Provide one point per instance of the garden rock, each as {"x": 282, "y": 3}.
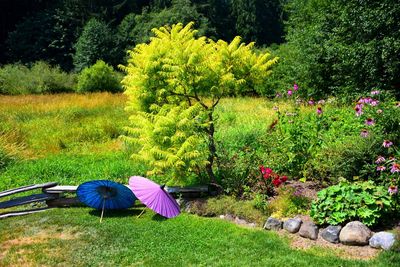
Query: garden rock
{"x": 240, "y": 221}
{"x": 309, "y": 230}
{"x": 355, "y": 233}
{"x": 382, "y": 240}
{"x": 273, "y": 224}
{"x": 292, "y": 225}
{"x": 229, "y": 217}
{"x": 331, "y": 233}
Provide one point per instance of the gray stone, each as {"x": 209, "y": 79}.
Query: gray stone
{"x": 229, "y": 217}
{"x": 273, "y": 224}
{"x": 309, "y": 230}
{"x": 382, "y": 240}
{"x": 292, "y": 225}
{"x": 222, "y": 216}
{"x": 331, "y": 233}
{"x": 240, "y": 221}
{"x": 355, "y": 233}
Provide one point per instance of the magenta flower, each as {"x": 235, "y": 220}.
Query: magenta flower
{"x": 358, "y": 110}
{"x": 392, "y": 190}
{"x": 380, "y": 159}
{"x": 398, "y": 104}
{"x": 387, "y": 143}
{"x": 370, "y": 121}
{"x": 395, "y": 168}
{"x": 375, "y": 92}
{"x": 311, "y": 102}
{"x": 295, "y": 87}
{"x": 374, "y": 103}
{"x": 364, "y": 133}
{"x": 319, "y": 110}
{"x": 289, "y": 92}
{"x": 380, "y": 168}
{"x": 366, "y": 100}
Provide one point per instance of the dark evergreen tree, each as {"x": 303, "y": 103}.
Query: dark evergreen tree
{"x": 96, "y": 42}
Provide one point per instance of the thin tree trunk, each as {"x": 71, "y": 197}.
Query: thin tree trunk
{"x": 211, "y": 148}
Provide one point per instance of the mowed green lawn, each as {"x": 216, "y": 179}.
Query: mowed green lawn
{"x": 74, "y": 237}
{"x": 70, "y": 138}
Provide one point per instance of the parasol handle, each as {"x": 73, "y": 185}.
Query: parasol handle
{"x": 141, "y": 213}
{"x": 102, "y": 210}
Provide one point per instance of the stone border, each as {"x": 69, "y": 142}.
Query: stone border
{"x": 353, "y": 233}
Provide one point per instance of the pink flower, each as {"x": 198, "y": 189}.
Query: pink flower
{"x": 387, "y": 143}
{"x": 374, "y": 103}
{"x": 321, "y": 102}
{"x": 395, "y": 168}
{"x": 370, "y": 121}
{"x": 284, "y": 178}
{"x": 380, "y": 168}
{"x": 364, "y": 133}
{"x": 311, "y": 102}
{"x": 398, "y": 104}
{"x": 278, "y": 95}
{"x": 375, "y": 92}
{"x": 295, "y": 87}
{"x": 380, "y": 159}
{"x": 392, "y": 190}
{"x": 379, "y": 111}
{"x": 319, "y": 110}
{"x": 289, "y": 92}
{"x": 358, "y": 110}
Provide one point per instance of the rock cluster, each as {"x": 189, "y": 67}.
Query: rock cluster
{"x": 353, "y": 233}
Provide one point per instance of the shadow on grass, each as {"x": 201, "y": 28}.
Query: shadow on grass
{"x": 158, "y": 218}
{"x": 116, "y": 213}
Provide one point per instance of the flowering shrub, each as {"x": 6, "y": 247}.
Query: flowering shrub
{"x": 269, "y": 181}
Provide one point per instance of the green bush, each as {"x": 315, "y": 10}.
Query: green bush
{"x": 289, "y": 203}
{"x": 99, "y": 77}
{"x": 39, "y": 78}
{"x": 346, "y": 201}
{"x": 339, "y": 47}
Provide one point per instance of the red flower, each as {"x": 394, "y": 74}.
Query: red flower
{"x": 277, "y": 182}
{"x": 284, "y": 178}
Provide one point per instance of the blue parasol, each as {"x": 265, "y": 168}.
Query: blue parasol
{"x": 105, "y": 195}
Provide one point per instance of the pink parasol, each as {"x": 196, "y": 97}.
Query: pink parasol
{"x": 154, "y": 196}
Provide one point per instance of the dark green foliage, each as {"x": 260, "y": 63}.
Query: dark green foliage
{"x": 343, "y": 47}
{"x": 357, "y": 201}
{"x": 96, "y": 42}
{"x": 258, "y": 20}
{"x": 97, "y": 78}
{"x": 181, "y": 11}
{"x": 48, "y": 35}
{"x": 38, "y": 79}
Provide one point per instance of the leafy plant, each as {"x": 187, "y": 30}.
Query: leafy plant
{"x": 99, "y": 77}
{"x": 346, "y": 201}
{"x": 288, "y": 202}
{"x": 174, "y": 84}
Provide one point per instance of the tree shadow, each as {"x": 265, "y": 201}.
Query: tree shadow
{"x": 157, "y": 217}
{"x": 116, "y": 213}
